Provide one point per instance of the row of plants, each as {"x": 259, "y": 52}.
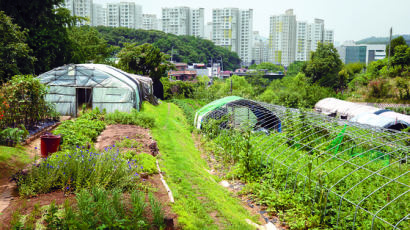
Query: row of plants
{"x": 403, "y": 110}
{"x": 132, "y": 118}
{"x": 96, "y": 208}
{"x": 82, "y": 131}
{"x": 318, "y": 174}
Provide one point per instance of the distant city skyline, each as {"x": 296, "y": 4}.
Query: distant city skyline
{"x": 350, "y": 20}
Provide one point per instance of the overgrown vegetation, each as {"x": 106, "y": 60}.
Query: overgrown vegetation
{"x": 132, "y": 118}
{"x": 301, "y": 172}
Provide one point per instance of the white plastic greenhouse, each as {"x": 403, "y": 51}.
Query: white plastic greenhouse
{"x": 95, "y": 85}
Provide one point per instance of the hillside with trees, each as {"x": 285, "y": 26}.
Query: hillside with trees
{"x": 382, "y": 40}
{"x": 186, "y": 49}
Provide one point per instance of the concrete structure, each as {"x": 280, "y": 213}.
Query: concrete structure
{"x": 81, "y": 8}
{"x": 183, "y": 21}
{"x": 99, "y": 15}
{"x": 208, "y": 31}
{"x": 232, "y": 28}
{"x": 124, "y": 14}
{"x": 302, "y": 52}
{"x": 351, "y": 53}
{"x": 282, "y": 38}
{"x": 175, "y": 20}
{"x": 196, "y": 22}
{"x": 150, "y": 22}
{"x": 260, "y": 48}
{"x": 329, "y": 36}
{"x": 316, "y": 30}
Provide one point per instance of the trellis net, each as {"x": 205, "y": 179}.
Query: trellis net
{"x": 357, "y": 175}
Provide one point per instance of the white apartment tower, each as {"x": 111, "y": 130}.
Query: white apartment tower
{"x": 315, "y": 34}
{"x": 329, "y": 36}
{"x": 149, "y": 22}
{"x": 282, "y": 38}
{"x": 124, "y": 14}
{"x": 259, "y": 48}
{"x": 176, "y": 20}
{"x": 302, "y": 51}
{"x": 113, "y": 15}
{"x": 81, "y": 8}
{"x": 232, "y": 28}
{"x": 197, "y": 19}
{"x": 99, "y": 15}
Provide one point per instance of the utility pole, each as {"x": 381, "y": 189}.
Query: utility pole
{"x": 391, "y": 32}
{"x": 172, "y": 53}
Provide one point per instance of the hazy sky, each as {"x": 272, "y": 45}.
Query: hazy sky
{"x": 350, "y": 19}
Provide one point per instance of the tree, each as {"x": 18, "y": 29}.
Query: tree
{"x": 324, "y": 66}
{"x": 146, "y": 60}
{"x": 88, "y": 45}
{"x": 401, "y": 56}
{"x": 47, "y": 25}
{"x": 295, "y": 68}
{"x": 15, "y": 55}
{"x": 269, "y": 66}
{"x": 394, "y": 43}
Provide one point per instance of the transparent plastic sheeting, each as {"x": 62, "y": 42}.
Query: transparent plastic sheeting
{"x": 113, "y": 89}
{"x": 358, "y": 173}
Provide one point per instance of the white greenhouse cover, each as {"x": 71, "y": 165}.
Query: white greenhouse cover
{"x": 112, "y": 89}
{"x": 345, "y": 108}
{"x": 377, "y": 120}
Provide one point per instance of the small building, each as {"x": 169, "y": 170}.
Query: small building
{"x": 183, "y": 75}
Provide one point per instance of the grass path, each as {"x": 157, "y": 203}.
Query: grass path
{"x": 200, "y": 202}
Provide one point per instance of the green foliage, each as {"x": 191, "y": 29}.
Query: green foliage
{"x": 268, "y": 66}
{"x": 132, "y": 118}
{"x": 22, "y": 101}
{"x": 403, "y": 110}
{"x": 145, "y": 59}
{"x": 15, "y": 55}
{"x": 177, "y": 89}
{"x": 146, "y": 162}
{"x": 295, "y": 68}
{"x": 394, "y": 43}
{"x": 401, "y": 56}
{"x": 46, "y": 24}
{"x": 74, "y": 169}
{"x": 186, "y": 49}
{"x": 88, "y": 45}
{"x": 189, "y": 107}
{"x": 157, "y": 213}
{"x": 12, "y": 136}
{"x": 295, "y": 92}
{"x": 82, "y": 131}
{"x": 293, "y": 170}
{"x": 324, "y": 66}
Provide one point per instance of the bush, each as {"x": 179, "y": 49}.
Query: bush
{"x": 132, "y": 118}
{"x": 82, "y": 131}
{"x": 22, "y": 101}
{"x": 75, "y": 169}
{"x": 378, "y": 88}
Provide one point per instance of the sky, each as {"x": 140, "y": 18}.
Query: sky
{"x": 350, "y": 19}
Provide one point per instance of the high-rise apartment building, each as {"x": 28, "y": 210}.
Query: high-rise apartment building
{"x": 329, "y": 36}
{"x": 315, "y": 33}
{"x": 81, "y": 8}
{"x": 176, "y": 20}
{"x": 232, "y": 29}
{"x": 208, "y": 31}
{"x": 259, "y": 48}
{"x": 113, "y": 15}
{"x": 302, "y": 51}
{"x": 183, "y": 21}
{"x": 282, "y": 38}
{"x": 124, "y": 14}
{"x": 99, "y": 15}
{"x": 196, "y": 21}
{"x": 149, "y": 22}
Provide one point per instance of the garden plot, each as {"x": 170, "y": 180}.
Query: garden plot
{"x": 115, "y": 186}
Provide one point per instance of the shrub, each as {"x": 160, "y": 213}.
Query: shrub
{"x": 132, "y": 118}
{"x": 74, "y": 169}
{"x": 82, "y": 131}
{"x": 378, "y": 88}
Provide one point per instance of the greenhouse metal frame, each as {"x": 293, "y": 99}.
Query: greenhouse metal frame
{"x": 362, "y": 170}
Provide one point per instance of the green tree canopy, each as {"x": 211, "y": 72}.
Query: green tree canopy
{"x": 88, "y": 45}
{"x": 268, "y": 66}
{"x": 324, "y": 66}
{"x": 401, "y": 56}
{"x": 145, "y": 59}
{"x": 15, "y": 55}
{"x": 395, "y": 42}
{"x": 47, "y": 25}
{"x": 295, "y": 68}
{"x": 186, "y": 49}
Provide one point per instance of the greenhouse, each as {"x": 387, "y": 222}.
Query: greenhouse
{"x": 363, "y": 114}
{"x": 91, "y": 85}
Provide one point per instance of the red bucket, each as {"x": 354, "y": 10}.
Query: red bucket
{"x": 49, "y": 144}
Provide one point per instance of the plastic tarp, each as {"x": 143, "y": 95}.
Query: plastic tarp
{"x": 202, "y": 112}
{"x": 396, "y": 116}
{"x": 112, "y": 89}
{"x": 379, "y": 121}
{"x": 345, "y": 108}
{"x": 147, "y": 88}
